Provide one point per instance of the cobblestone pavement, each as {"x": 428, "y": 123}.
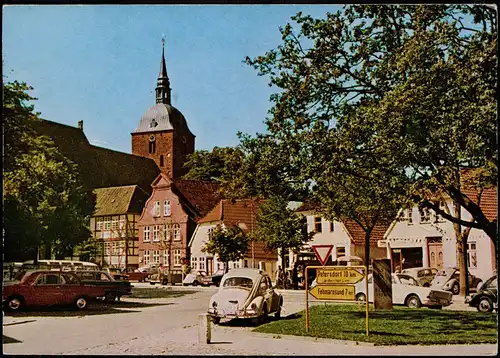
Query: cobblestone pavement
{"x": 170, "y": 328}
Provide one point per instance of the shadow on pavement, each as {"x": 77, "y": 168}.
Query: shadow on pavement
{"x": 94, "y": 308}
{"x": 246, "y": 322}
{"x": 6, "y": 340}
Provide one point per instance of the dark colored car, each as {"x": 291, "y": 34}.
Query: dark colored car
{"x": 486, "y": 298}
{"x": 113, "y": 289}
{"x": 448, "y": 279}
{"x": 217, "y": 277}
{"x": 49, "y": 288}
{"x": 118, "y": 274}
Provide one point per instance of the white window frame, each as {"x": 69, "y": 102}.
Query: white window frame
{"x": 156, "y": 209}
{"x": 177, "y": 232}
{"x": 471, "y": 253}
{"x": 156, "y": 256}
{"x": 107, "y": 248}
{"x": 177, "y": 257}
{"x": 156, "y": 233}
{"x": 99, "y": 223}
{"x": 147, "y": 257}
{"x": 147, "y": 232}
{"x": 202, "y": 263}
{"x": 320, "y": 223}
{"x": 439, "y": 218}
{"x": 425, "y": 216}
{"x": 167, "y": 211}
{"x": 409, "y": 216}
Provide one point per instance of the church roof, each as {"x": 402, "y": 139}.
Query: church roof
{"x": 99, "y": 167}
{"x": 161, "y": 117}
{"x": 201, "y": 195}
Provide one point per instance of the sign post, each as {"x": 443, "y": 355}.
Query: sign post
{"x": 336, "y": 283}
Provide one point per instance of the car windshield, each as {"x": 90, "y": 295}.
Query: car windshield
{"x": 244, "y": 282}
{"x": 443, "y": 273}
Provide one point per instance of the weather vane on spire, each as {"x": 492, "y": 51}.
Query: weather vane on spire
{"x": 163, "y": 40}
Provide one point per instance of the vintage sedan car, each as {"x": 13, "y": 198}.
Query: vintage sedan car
{"x": 448, "y": 279}
{"x": 196, "y": 278}
{"x": 407, "y": 291}
{"x": 486, "y": 298}
{"x": 113, "y": 289}
{"x": 245, "y": 293}
{"x": 424, "y": 275}
{"x": 49, "y": 288}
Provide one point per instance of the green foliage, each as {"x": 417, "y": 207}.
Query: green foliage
{"x": 279, "y": 227}
{"x": 378, "y": 104}
{"x": 400, "y": 326}
{"x": 229, "y": 244}
{"x": 45, "y": 201}
{"x": 215, "y": 165}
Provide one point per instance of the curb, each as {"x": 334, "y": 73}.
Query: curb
{"x": 313, "y": 339}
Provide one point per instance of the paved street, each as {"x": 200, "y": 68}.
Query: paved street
{"x": 169, "y": 326}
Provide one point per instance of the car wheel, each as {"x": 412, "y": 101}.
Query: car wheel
{"x": 264, "y": 316}
{"x": 413, "y": 301}
{"x": 110, "y": 297}
{"x": 14, "y": 303}
{"x": 277, "y": 314}
{"x": 215, "y": 320}
{"x": 151, "y": 282}
{"x": 485, "y": 305}
{"x": 455, "y": 289}
{"x": 361, "y": 297}
{"x": 81, "y": 303}
{"x": 195, "y": 283}
{"x": 427, "y": 284}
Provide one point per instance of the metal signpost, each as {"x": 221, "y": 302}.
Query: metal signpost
{"x": 336, "y": 283}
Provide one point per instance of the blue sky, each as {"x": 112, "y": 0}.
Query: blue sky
{"x": 100, "y": 63}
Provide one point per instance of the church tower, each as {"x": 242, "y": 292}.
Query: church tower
{"x": 163, "y": 134}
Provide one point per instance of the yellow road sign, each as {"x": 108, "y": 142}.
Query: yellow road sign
{"x": 333, "y": 292}
{"x": 338, "y": 275}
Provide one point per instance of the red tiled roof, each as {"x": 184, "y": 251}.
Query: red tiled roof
{"x": 200, "y": 195}
{"x": 307, "y": 205}
{"x": 488, "y": 203}
{"x": 357, "y": 233}
{"x": 242, "y": 213}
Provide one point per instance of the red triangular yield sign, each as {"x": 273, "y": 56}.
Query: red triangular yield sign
{"x": 322, "y": 252}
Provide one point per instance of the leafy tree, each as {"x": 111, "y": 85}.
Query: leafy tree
{"x": 214, "y": 165}
{"x": 280, "y": 228}
{"x": 45, "y": 201}
{"x": 229, "y": 244}
{"x": 386, "y": 102}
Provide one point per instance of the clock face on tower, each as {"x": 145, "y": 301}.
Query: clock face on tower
{"x": 152, "y": 138}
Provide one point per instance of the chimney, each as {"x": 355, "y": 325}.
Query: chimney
{"x": 80, "y": 125}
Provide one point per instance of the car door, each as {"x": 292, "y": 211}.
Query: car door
{"x": 266, "y": 292}
{"x": 398, "y": 291}
{"x": 70, "y": 288}
{"x": 47, "y": 289}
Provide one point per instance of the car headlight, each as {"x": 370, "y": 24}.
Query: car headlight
{"x": 214, "y": 304}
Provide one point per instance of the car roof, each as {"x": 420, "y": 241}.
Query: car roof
{"x": 245, "y": 272}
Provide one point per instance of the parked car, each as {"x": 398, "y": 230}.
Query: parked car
{"x": 196, "y": 278}
{"x": 448, "y": 279}
{"x": 217, "y": 277}
{"x": 407, "y": 291}
{"x": 245, "y": 293}
{"x": 48, "y": 288}
{"x": 113, "y": 289}
{"x": 486, "y": 298}
{"x": 10, "y": 269}
{"x": 137, "y": 275}
{"x": 424, "y": 275}
{"x": 117, "y": 273}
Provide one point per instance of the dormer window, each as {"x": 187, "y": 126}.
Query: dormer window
{"x": 153, "y": 123}
{"x": 425, "y": 216}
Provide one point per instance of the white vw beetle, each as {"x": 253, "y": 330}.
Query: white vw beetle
{"x": 245, "y": 293}
{"x": 407, "y": 291}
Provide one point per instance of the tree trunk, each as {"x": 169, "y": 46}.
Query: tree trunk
{"x": 35, "y": 256}
{"x": 226, "y": 267}
{"x": 283, "y": 268}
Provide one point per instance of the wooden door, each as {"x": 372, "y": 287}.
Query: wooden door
{"x": 435, "y": 249}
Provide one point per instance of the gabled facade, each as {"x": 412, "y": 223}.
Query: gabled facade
{"x": 169, "y": 219}
{"x": 347, "y": 237}
{"x": 114, "y": 226}
{"x": 227, "y": 213}
{"x": 423, "y": 238}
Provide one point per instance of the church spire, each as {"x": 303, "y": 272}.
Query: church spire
{"x": 163, "y": 89}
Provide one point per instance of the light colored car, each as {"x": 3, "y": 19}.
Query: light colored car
{"x": 196, "y": 278}
{"x": 245, "y": 293}
{"x": 407, "y": 291}
{"x": 448, "y": 279}
{"x": 424, "y": 275}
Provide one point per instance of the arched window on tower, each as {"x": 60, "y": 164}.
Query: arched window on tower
{"x": 161, "y": 160}
{"x": 152, "y": 147}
